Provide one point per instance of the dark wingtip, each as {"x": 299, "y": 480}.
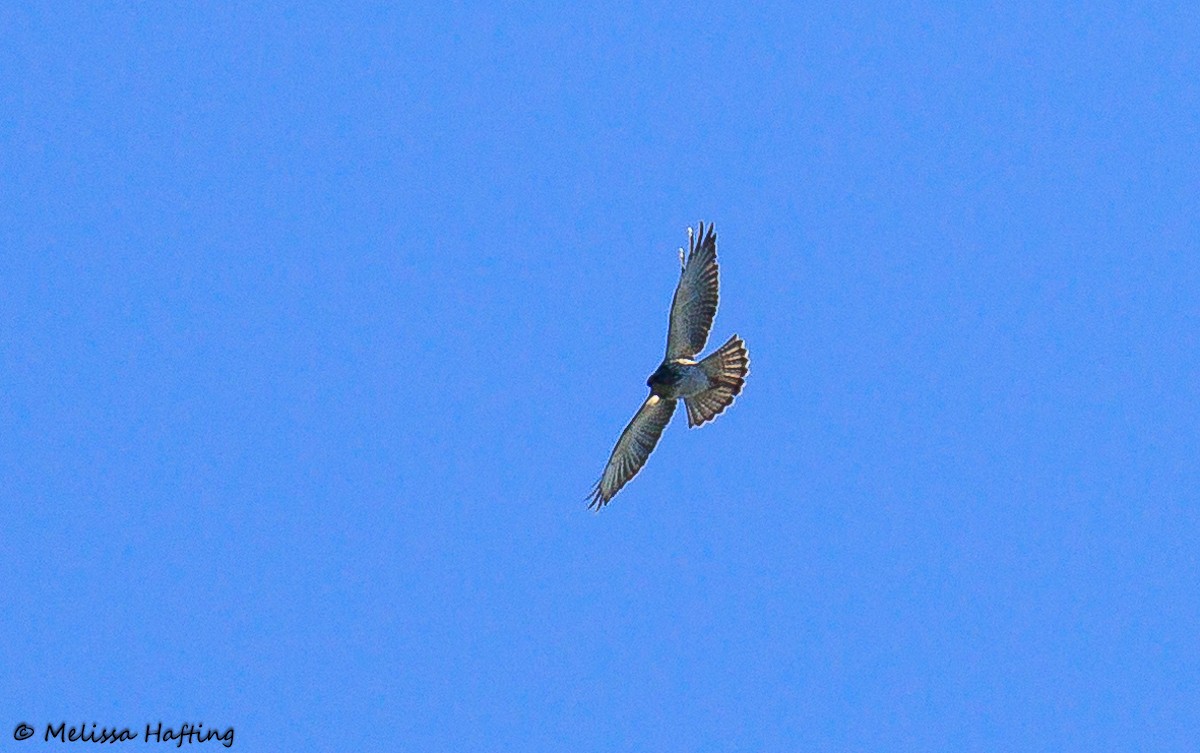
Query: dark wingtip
{"x": 595, "y": 499}
{"x": 702, "y": 238}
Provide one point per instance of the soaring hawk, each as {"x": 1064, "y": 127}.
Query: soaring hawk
{"x": 706, "y": 387}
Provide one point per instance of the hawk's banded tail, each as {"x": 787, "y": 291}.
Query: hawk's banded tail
{"x": 726, "y": 370}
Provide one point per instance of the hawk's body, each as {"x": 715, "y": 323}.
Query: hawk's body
{"x": 678, "y": 378}
{"x": 707, "y": 387}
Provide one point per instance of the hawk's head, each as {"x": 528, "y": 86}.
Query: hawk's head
{"x": 664, "y": 376}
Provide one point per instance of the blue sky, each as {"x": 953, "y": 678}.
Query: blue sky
{"x": 318, "y": 322}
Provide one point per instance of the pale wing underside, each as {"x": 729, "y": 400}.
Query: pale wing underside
{"x": 695, "y": 301}
{"x": 635, "y": 445}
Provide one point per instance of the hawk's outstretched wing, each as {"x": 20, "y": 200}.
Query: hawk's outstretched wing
{"x": 634, "y": 446}
{"x": 695, "y": 301}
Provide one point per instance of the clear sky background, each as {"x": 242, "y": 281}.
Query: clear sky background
{"x": 318, "y": 321}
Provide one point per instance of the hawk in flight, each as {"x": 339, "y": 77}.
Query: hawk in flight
{"x": 707, "y": 387}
